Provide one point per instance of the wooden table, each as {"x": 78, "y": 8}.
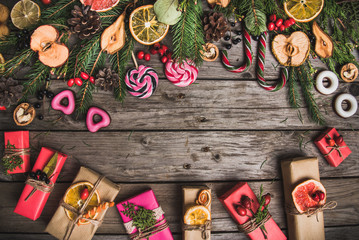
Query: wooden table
{"x": 222, "y": 129}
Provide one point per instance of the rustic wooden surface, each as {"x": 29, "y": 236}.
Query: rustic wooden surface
{"x": 220, "y": 130}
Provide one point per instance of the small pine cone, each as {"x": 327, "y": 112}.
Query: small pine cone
{"x": 85, "y": 23}
{"x": 107, "y": 79}
{"x": 215, "y": 26}
{"x": 10, "y": 91}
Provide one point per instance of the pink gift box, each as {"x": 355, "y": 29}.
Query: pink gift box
{"x": 231, "y": 199}
{"x": 147, "y": 200}
{"x": 33, "y": 207}
{"x": 21, "y": 140}
{"x": 334, "y": 158}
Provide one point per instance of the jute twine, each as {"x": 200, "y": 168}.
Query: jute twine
{"x": 312, "y": 211}
{"x": 40, "y": 185}
{"x": 252, "y": 224}
{"x": 12, "y": 152}
{"x": 202, "y": 227}
{"x": 335, "y": 147}
{"x": 79, "y": 212}
{"x": 150, "y": 231}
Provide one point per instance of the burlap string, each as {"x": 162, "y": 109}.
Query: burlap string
{"x": 335, "y": 147}
{"x": 12, "y": 152}
{"x": 202, "y": 227}
{"x": 150, "y": 231}
{"x": 79, "y": 212}
{"x": 38, "y": 185}
{"x": 252, "y": 225}
{"x": 312, "y": 211}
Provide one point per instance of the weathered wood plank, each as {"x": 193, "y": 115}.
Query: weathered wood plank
{"x": 344, "y": 191}
{"x": 207, "y": 105}
{"x": 161, "y": 156}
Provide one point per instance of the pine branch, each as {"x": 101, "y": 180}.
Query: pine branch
{"x": 59, "y": 9}
{"x": 255, "y": 19}
{"x": 12, "y": 64}
{"x": 293, "y": 89}
{"x": 37, "y": 77}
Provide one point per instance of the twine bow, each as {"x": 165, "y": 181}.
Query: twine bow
{"x": 150, "y": 231}
{"x": 79, "y": 212}
{"x": 40, "y": 185}
{"x": 314, "y": 210}
{"x": 335, "y": 147}
{"x": 12, "y": 152}
{"x": 202, "y": 227}
{"x": 252, "y": 224}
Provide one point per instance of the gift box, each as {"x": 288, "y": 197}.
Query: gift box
{"x": 159, "y": 231}
{"x": 190, "y": 196}
{"x": 18, "y": 143}
{"x": 231, "y": 199}
{"x": 296, "y": 171}
{"x": 62, "y": 227}
{"x": 31, "y": 206}
{"x": 333, "y": 154}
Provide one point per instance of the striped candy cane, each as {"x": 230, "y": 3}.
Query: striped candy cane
{"x": 248, "y": 57}
{"x": 260, "y": 68}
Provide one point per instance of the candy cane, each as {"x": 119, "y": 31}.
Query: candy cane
{"x": 260, "y": 69}
{"x": 248, "y": 57}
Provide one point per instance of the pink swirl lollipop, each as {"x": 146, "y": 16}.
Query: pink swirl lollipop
{"x": 141, "y": 82}
{"x": 181, "y": 75}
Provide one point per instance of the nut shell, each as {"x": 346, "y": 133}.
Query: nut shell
{"x": 349, "y": 72}
{"x": 28, "y": 110}
{"x": 206, "y": 49}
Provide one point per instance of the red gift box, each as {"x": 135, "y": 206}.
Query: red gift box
{"x": 33, "y": 207}
{"x": 335, "y": 154}
{"x": 20, "y": 140}
{"x": 231, "y": 199}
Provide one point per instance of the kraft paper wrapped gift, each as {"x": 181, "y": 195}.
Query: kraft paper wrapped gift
{"x": 19, "y": 139}
{"x": 296, "y": 171}
{"x": 60, "y": 225}
{"x": 190, "y": 195}
{"x": 148, "y": 201}
{"x": 231, "y": 199}
{"x": 32, "y": 208}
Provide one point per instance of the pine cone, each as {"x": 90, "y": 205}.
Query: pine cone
{"x": 85, "y": 23}
{"x": 215, "y": 26}
{"x": 10, "y": 91}
{"x": 107, "y": 79}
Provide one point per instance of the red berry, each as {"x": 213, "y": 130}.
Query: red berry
{"x": 246, "y": 202}
{"x": 147, "y": 57}
{"x": 279, "y": 22}
{"x": 281, "y": 28}
{"x": 70, "y": 82}
{"x": 140, "y": 55}
{"x": 339, "y": 139}
{"x": 157, "y": 46}
{"x": 315, "y": 197}
{"x": 164, "y": 59}
{"x": 241, "y": 211}
{"x": 292, "y": 21}
{"x": 321, "y": 195}
{"x": 161, "y": 51}
{"x": 165, "y": 48}
{"x": 270, "y": 26}
{"x": 331, "y": 142}
{"x": 84, "y": 194}
{"x": 78, "y": 81}
{"x": 169, "y": 55}
{"x": 153, "y": 51}
{"x": 84, "y": 76}
{"x": 92, "y": 80}
{"x": 267, "y": 199}
{"x": 272, "y": 18}
{"x": 46, "y": 2}
{"x": 276, "y": 28}
{"x": 287, "y": 23}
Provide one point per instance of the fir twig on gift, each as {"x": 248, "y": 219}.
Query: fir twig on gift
{"x": 10, "y": 163}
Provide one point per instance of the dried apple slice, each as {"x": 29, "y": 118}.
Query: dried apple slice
{"x": 44, "y": 41}
{"x": 291, "y": 50}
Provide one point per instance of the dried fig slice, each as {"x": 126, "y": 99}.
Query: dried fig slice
{"x": 44, "y": 41}
{"x": 291, "y": 50}
{"x": 323, "y": 43}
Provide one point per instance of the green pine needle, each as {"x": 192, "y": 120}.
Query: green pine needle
{"x": 142, "y": 218}
{"x": 293, "y": 94}
{"x": 11, "y": 163}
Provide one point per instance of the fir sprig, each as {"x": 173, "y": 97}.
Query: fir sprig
{"x": 12, "y": 64}
{"x": 37, "y": 77}
{"x": 10, "y": 163}
{"x": 293, "y": 94}
{"x": 61, "y": 8}
{"x": 142, "y": 218}
{"x": 255, "y": 20}
{"x": 262, "y": 211}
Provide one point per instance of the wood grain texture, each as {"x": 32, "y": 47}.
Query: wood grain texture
{"x": 169, "y": 196}
{"x": 162, "y": 156}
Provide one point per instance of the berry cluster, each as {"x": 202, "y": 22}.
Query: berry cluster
{"x": 79, "y": 81}
{"x": 235, "y": 40}
{"x": 246, "y": 204}
{"x": 23, "y": 39}
{"x": 279, "y": 24}
{"x": 338, "y": 140}
{"x": 42, "y": 93}
{"x": 318, "y": 196}
{"x": 40, "y": 175}
{"x": 163, "y": 51}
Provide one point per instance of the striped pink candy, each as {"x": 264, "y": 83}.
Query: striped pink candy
{"x": 181, "y": 75}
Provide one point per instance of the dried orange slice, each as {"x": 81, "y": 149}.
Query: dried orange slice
{"x": 73, "y": 198}
{"x": 303, "y": 10}
{"x": 25, "y": 13}
{"x": 303, "y": 195}
{"x": 144, "y": 26}
{"x": 197, "y": 215}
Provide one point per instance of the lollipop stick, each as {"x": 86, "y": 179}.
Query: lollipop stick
{"x": 134, "y": 60}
